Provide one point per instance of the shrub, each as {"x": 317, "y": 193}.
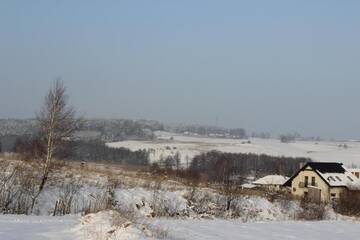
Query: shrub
{"x": 311, "y": 211}
{"x": 348, "y": 204}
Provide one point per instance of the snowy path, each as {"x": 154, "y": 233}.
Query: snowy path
{"x": 222, "y": 229}
{"x": 14, "y": 227}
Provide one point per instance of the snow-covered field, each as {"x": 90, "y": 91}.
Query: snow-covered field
{"x": 98, "y": 227}
{"x": 20, "y": 227}
{"x": 189, "y": 146}
{"x": 225, "y": 229}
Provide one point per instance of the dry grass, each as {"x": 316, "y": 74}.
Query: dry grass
{"x": 9, "y": 156}
{"x": 119, "y": 176}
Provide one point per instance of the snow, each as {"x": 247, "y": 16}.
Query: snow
{"x": 248, "y": 185}
{"x": 271, "y": 180}
{"x": 205, "y": 204}
{"x": 190, "y": 146}
{"x": 225, "y": 229}
{"x": 101, "y": 226}
{"x": 86, "y": 195}
{"x": 18, "y": 227}
{"x": 97, "y": 226}
{"x": 139, "y": 200}
{"x": 354, "y": 169}
{"x": 346, "y": 179}
{"x": 252, "y": 212}
{"x": 91, "y": 227}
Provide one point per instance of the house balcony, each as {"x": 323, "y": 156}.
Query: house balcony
{"x": 303, "y": 185}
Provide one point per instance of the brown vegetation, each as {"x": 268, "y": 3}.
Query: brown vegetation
{"x": 348, "y": 204}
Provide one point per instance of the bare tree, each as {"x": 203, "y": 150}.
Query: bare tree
{"x": 57, "y": 123}
{"x": 177, "y": 158}
{"x": 231, "y": 181}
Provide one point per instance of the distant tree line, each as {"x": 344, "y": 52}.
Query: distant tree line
{"x": 292, "y": 137}
{"x": 108, "y": 130}
{"x": 18, "y": 126}
{"x": 94, "y": 151}
{"x": 204, "y": 130}
{"x": 217, "y": 165}
{"x": 8, "y": 142}
{"x": 263, "y": 135}
{"x": 287, "y": 138}
{"x": 98, "y": 151}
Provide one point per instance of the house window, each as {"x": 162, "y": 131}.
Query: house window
{"x": 294, "y": 189}
{"x": 331, "y": 179}
{"x": 333, "y": 195}
{"x": 350, "y": 178}
{"x": 306, "y": 181}
{"x": 312, "y": 181}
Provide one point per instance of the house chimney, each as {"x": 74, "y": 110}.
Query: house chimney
{"x": 301, "y": 164}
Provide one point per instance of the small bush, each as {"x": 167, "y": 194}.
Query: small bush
{"x": 311, "y": 211}
{"x": 100, "y": 201}
{"x": 67, "y": 196}
{"x": 18, "y": 184}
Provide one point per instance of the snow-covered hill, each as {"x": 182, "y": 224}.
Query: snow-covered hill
{"x": 145, "y": 207}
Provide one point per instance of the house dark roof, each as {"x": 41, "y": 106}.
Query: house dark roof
{"x": 333, "y": 174}
{"x": 327, "y": 167}
{"x": 322, "y": 167}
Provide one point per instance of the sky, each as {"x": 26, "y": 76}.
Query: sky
{"x": 274, "y": 66}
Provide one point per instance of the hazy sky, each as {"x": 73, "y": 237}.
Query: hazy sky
{"x": 277, "y": 66}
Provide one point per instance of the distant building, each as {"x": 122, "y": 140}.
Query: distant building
{"x": 322, "y": 181}
{"x": 355, "y": 172}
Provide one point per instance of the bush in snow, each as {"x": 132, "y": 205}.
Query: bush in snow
{"x": 99, "y": 201}
{"x": 18, "y": 185}
{"x": 68, "y": 193}
{"x": 348, "y": 204}
{"x": 311, "y": 211}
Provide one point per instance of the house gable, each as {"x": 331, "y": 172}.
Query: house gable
{"x": 318, "y": 168}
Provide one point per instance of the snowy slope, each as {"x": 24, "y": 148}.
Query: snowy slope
{"x": 225, "y": 229}
{"x": 20, "y": 227}
{"x": 189, "y": 146}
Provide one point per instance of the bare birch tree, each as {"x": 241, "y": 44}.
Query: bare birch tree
{"x": 57, "y": 123}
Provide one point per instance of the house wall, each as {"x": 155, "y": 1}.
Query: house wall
{"x": 298, "y": 185}
{"x": 270, "y": 187}
{"x": 337, "y": 191}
